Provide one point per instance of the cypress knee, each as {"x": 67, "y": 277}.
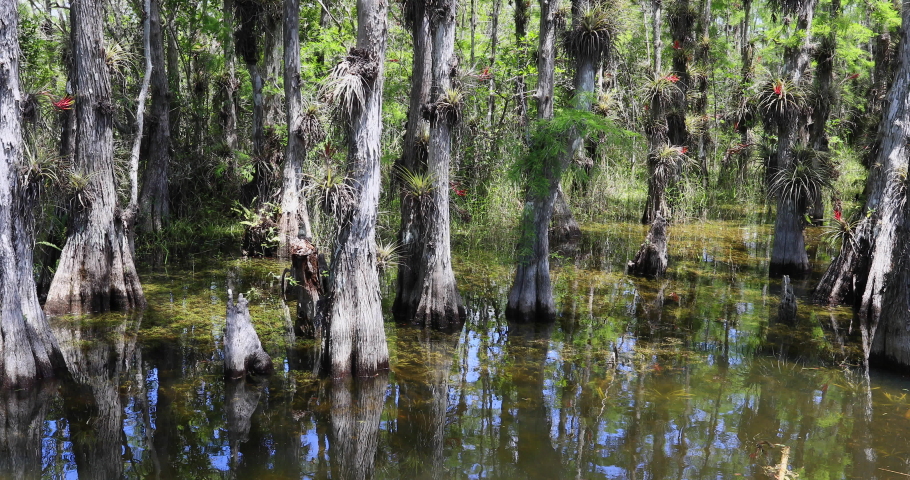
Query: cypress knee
{"x": 243, "y": 353}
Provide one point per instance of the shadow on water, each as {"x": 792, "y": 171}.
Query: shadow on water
{"x": 689, "y": 376}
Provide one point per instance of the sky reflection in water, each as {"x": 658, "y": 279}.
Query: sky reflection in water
{"x": 706, "y": 383}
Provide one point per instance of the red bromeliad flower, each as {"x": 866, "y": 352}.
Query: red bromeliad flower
{"x": 838, "y": 215}
{"x": 461, "y": 193}
{"x": 671, "y": 78}
{"x": 65, "y": 103}
{"x": 853, "y": 77}
{"x": 676, "y": 45}
{"x": 778, "y": 88}
{"x": 684, "y": 150}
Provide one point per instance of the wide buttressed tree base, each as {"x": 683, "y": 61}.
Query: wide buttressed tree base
{"x": 356, "y": 341}
{"x": 27, "y": 349}
{"x": 96, "y": 272}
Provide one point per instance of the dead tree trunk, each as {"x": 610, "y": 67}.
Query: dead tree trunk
{"x": 871, "y": 267}
{"x": 433, "y": 299}
{"x": 307, "y": 272}
{"x": 243, "y": 353}
{"x": 96, "y": 271}
{"x": 652, "y": 259}
{"x": 294, "y": 213}
{"x": 27, "y": 348}
{"x": 531, "y": 295}
{"x": 154, "y": 205}
{"x": 356, "y": 339}
{"x": 414, "y": 155}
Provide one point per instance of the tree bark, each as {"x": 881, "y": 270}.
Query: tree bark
{"x": 229, "y": 108}
{"x": 243, "y": 353}
{"x": 531, "y": 295}
{"x": 28, "y": 351}
{"x": 433, "y": 299}
{"x": 871, "y": 267}
{"x": 652, "y": 259}
{"x": 96, "y": 271}
{"x": 788, "y": 254}
{"x": 356, "y": 339}
{"x": 307, "y": 271}
{"x": 294, "y": 213}
{"x": 656, "y": 21}
{"x": 356, "y": 412}
{"x": 154, "y": 204}
{"x": 415, "y": 152}
{"x": 824, "y": 98}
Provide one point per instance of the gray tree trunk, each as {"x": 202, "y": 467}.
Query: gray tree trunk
{"x": 356, "y": 414}
{"x": 414, "y": 155}
{"x": 434, "y": 300}
{"x": 531, "y": 295}
{"x": 656, "y": 20}
{"x": 229, "y": 109}
{"x": 788, "y": 254}
{"x": 356, "y": 340}
{"x": 96, "y": 271}
{"x": 307, "y": 271}
{"x": 243, "y": 353}
{"x": 27, "y": 349}
{"x": 872, "y": 268}
{"x": 824, "y": 98}
{"x": 154, "y": 204}
{"x": 652, "y": 259}
{"x": 294, "y": 213}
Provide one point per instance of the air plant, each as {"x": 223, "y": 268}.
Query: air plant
{"x": 697, "y": 125}
{"x": 661, "y": 92}
{"x": 416, "y": 185}
{"x": 780, "y": 101}
{"x": 310, "y": 129}
{"x": 117, "y": 58}
{"x": 348, "y": 83}
{"x": 593, "y": 36}
{"x": 449, "y": 105}
{"x": 606, "y": 104}
{"x": 333, "y": 192}
{"x": 388, "y": 256}
{"x": 667, "y": 161}
{"x": 805, "y": 176}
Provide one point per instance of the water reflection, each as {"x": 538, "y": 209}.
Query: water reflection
{"x": 685, "y": 377}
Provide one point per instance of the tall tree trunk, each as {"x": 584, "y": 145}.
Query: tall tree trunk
{"x": 824, "y": 98}
{"x": 27, "y": 349}
{"x": 531, "y": 295}
{"x": 521, "y": 31}
{"x": 656, "y": 20}
{"x": 491, "y": 61}
{"x": 294, "y": 213}
{"x": 413, "y": 159}
{"x": 788, "y": 254}
{"x": 872, "y": 266}
{"x": 229, "y": 109}
{"x": 356, "y": 339}
{"x": 154, "y": 203}
{"x": 434, "y": 300}
{"x": 96, "y": 271}
{"x": 355, "y": 419}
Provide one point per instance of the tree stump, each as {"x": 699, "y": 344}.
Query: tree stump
{"x": 786, "y": 311}
{"x": 243, "y": 353}
{"x": 651, "y": 259}
{"x": 307, "y": 272}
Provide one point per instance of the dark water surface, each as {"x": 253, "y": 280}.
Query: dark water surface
{"x": 705, "y": 383}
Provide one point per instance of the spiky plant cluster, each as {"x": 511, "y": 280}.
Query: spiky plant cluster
{"x": 697, "y": 125}
{"x": 310, "y": 129}
{"x": 334, "y": 194}
{"x": 560, "y": 19}
{"x": 117, "y": 58}
{"x": 449, "y": 105}
{"x": 808, "y": 173}
{"x": 656, "y": 126}
{"x": 780, "y": 101}
{"x": 348, "y": 83}
{"x": 667, "y": 162}
{"x": 661, "y": 92}
{"x": 388, "y": 256}
{"x": 606, "y": 104}
{"x": 417, "y": 185}
{"x": 592, "y": 38}
{"x": 681, "y": 16}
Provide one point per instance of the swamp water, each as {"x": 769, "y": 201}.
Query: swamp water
{"x": 690, "y": 377}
